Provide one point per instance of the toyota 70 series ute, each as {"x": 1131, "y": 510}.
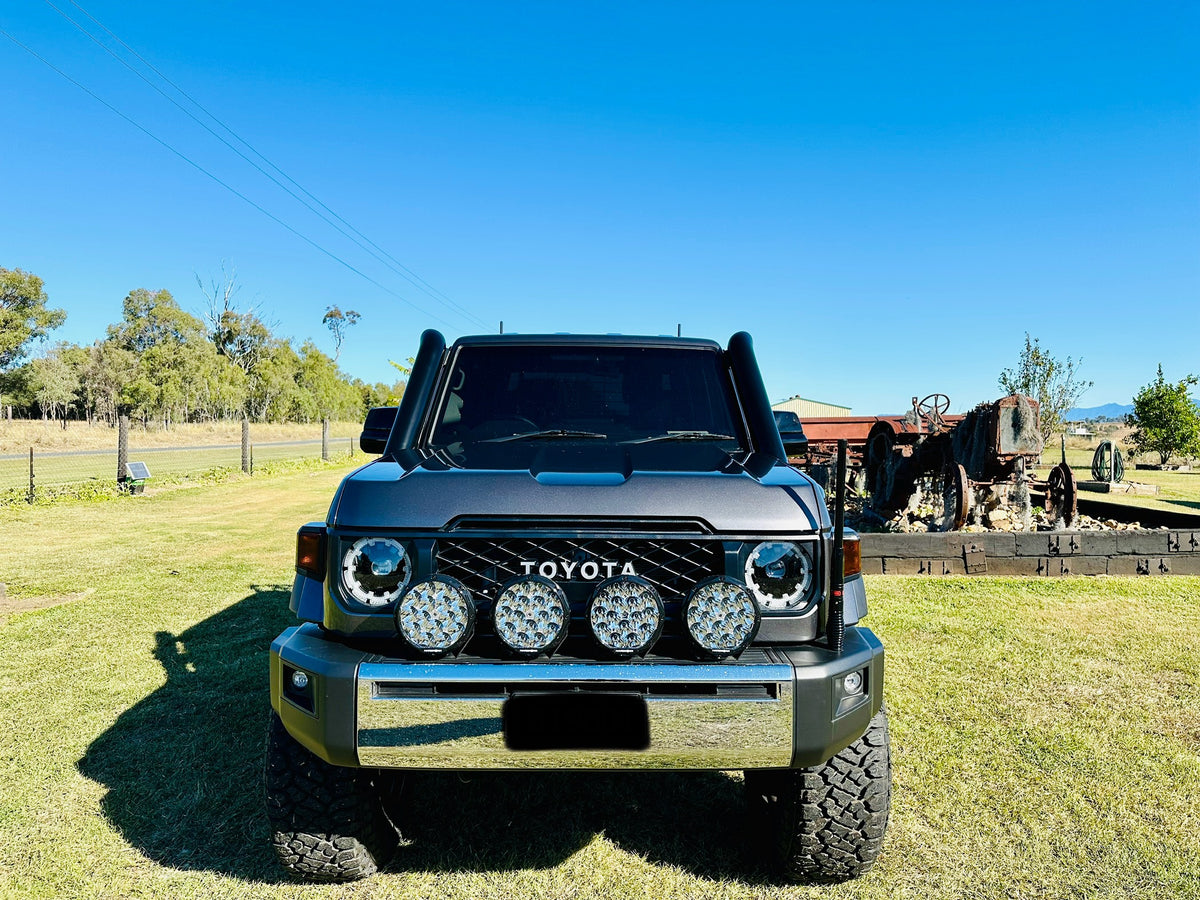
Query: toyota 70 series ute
{"x": 578, "y": 552}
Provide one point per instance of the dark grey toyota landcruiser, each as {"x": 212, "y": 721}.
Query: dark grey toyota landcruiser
{"x": 578, "y": 552}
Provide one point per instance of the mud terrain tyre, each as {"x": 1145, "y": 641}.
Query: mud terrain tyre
{"x": 825, "y": 824}
{"x": 327, "y": 821}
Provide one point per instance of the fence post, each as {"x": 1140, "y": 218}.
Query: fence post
{"x": 30, "y": 474}
{"x": 122, "y": 446}
{"x": 351, "y": 448}
{"x": 246, "y": 445}
{"x": 325, "y": 439}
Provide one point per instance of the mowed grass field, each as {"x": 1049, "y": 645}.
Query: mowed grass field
{"x": 1046, "y": 734}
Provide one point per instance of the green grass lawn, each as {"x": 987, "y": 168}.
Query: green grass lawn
{"x": 1177, "y": 491}
{"x": 1046, "y": 734}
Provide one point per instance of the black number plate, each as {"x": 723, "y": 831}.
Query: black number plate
{"x": 576, "y": 721}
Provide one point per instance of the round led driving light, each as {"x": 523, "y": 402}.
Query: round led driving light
{"x": 626, "y": 615}
{"x": 531, "y": 615}
{"x": 436, "y": 616}
{"x": 722, "y": 618}
{"x": 375, "y": 571}
{"x": 779, "y": 573}
{"x": 853, "y": 683}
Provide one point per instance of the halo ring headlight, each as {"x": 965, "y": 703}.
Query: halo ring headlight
{"x": 531, "y": 615}
{"x": 626, "y": 615}
{"x": 722, "y": 617}
{"x": 375, "y": 571}
{"x": 780, "y": 573}
{"x": 436, "y": 616}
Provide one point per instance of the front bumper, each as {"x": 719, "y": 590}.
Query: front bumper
{"x": 772, "y": 708}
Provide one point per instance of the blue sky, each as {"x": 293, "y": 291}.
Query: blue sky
{"x": 886, "y": 196}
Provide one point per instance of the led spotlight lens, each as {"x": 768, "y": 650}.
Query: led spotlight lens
{"x": 436, "y": 616}
{"x": 722, "y": 617}
{"x": 626, "y": 615}
{"x": 299, "y": 680}
{"x": 853, "y": 683}
{"x": 531, "y": 615}
{"x": 375, "y": 571}
{"x": 780, "y": 574}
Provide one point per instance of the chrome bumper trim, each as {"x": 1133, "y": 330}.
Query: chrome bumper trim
{"x": 701, "y": 716}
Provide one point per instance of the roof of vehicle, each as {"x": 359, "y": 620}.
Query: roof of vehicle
{"x": 567, "y": 340}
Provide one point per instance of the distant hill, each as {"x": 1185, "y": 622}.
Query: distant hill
{"x": 1108, "y": 410}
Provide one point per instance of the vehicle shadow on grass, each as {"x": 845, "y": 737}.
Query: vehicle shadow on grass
{"x": 522, "y": 820}
{"x": 183, "y": 769}
{"x": 183, "y": 766}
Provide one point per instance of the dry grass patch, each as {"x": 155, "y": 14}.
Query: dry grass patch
{"x": 18, "y": 436}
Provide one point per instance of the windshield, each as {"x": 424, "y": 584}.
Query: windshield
{"x": 604, "y": 395}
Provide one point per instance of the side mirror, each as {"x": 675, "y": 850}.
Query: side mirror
{"x": 377, "y": 429}
{"x": 795, "y": 443}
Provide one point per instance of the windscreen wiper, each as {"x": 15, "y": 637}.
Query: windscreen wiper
{"x": 683, "y": 436}
{"x": 548, "y": 434}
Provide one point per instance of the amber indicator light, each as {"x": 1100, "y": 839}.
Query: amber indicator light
{"x": 310, "y": 554}
{"x": 851, "y": 558}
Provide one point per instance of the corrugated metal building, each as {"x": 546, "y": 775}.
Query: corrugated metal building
{"x": 810, "y": 409}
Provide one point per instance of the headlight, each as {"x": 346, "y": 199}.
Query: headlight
{"x": 722, "y": 618}
{"x": 626, "y": 615}
{"x": 436, "y": 616}
{"x": 531, "y": 615}
{"x": 375, "y": 571}
{"x": 780, "y": 574}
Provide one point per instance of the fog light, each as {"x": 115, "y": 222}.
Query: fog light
{"x": 853, "y": 683}
{"x": 436, "y": 616}
{"x": 722, "y": 618}
{"x": 626, "y": 615}
{"x": 531, "y": 615}
{"x": 299, "y": 680}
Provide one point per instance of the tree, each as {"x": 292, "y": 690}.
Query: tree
{"x": 149, "y": 318}
{"x": 179, "y": 372}
{"x": 218, "y": 296}
{"x": 107, "y": 370}
{"x": 326, "y": 392}
{"x": 242, "y": 337}
{"x": 54, "y": 382}
{"x": 337, "y": 322}
{"x": 1053, "y": 384}
{"x": 24, "y": 317}
{"x": 1165, "y": 419}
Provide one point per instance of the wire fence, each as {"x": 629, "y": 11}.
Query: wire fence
{"x": 59, "y": 470}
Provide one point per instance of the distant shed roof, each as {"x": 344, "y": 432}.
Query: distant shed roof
{"x": 805, "y": 408}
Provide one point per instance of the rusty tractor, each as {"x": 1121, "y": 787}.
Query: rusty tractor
{"x": 957, "y": 466}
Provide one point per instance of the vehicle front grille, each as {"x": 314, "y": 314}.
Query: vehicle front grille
{"x": 673, "y": 566}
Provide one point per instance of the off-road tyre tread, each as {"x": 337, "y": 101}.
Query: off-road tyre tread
{"x": 327, "y": 822}
{"x": 826, "y": 824}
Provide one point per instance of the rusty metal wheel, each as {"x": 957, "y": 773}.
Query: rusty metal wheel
{"x": 1062, "y": 494}
{"x": 956, "y": 497}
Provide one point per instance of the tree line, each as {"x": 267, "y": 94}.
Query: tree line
{"x": 162, "y": 364}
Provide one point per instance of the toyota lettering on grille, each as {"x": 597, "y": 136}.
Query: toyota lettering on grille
{"x": 588, "y": 570}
